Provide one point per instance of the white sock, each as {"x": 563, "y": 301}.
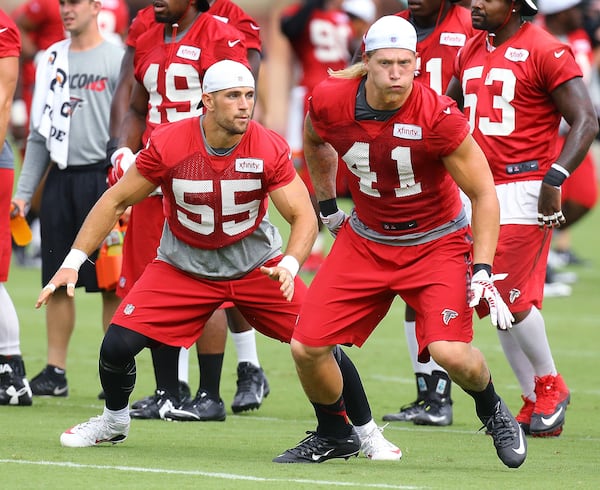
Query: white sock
{"x": 411, "y": 343}
{"x": 518, "y": 362}
{"x": 319, "y": 243}
{"x": 9, "y": 325}
{"x": 364, "y": 431}
{"x": 413, "y": 351}
{"x": 530, "y": 334}
{"x": 245, "y": 346}
{"x": 183, "y": 368}
{"x": 117, "y": 416}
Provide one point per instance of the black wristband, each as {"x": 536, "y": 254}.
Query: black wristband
{"x": 482, "y": 267}
{"x": 112, "y": 145}
{"x": 328, "y": 207}
{"x": 554, "y": 177}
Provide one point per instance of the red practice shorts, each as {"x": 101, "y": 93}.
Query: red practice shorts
{"x": 6, "y": 189}
{"x": 358, "y": 281}
{"x": 582, "y": 186}
{"x": 522, "y": 252}
{"x": 172, "y": 307}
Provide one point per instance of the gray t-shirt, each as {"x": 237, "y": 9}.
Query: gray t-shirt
{"x": 92, "y": 78}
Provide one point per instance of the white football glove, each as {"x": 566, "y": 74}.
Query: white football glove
{"x": 482, "y": 287}
{"x": 121, "y": 160}
{"x": 334, "y": 221}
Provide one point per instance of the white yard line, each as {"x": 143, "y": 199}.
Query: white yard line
{"x": 222, "y": 476}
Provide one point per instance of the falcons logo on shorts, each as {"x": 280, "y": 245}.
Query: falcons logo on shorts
{"x": 513, "y": 295}
{"x": 448, "y": 315}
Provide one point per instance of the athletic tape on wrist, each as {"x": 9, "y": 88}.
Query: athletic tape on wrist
{"x": 290, "y": 263}
{"x": 74, "y": 259}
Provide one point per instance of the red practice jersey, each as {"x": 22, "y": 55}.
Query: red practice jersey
{"x": 507, "y": 99}
{"x": 210, "y": 201}
{"x": 10, "y": 40}
{"x": 398, "y": 183}
{"x": 324, "y": 44}
{"x": 436, "y": 53}
{"x": 223, "y": 10}
{"x": 172, "y": 72}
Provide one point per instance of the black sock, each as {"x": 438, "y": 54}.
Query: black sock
{"x": 332, "y": 419}
{"x": 166, "y": 369}
{"x": 211, "y": 366}
{"x": 485, "y": 401}
{"x": 357, "y": 404}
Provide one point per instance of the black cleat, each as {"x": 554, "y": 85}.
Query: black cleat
{"x": 184, "y": 395}
{"x": 509, "y": 438}
{"x": 252, "y": 388}
{"x": 162, "y": 402}
{"x": 14, "y": 387}
{"x": 51, "y": 381}
{"x": 436, "y": 413}
{"x": 407, "y": 413}
{"x": 203, "y": 408}
{"x": 316, "y": 449}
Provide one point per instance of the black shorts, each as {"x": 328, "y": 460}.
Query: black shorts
{"x": 67, "y": 199}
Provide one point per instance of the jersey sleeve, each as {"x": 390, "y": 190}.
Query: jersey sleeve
{"x": 10, "y": 40}
{"x": 148, "y": 161}
{"x": 449, "y": 129}
{"x": 138, "y": 26}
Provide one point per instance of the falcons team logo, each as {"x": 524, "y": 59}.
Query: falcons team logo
{"x": 448, "y": 315}
{"x": 513, "y": 295}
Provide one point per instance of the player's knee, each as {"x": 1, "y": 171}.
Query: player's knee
{"x": 306, "y": 355}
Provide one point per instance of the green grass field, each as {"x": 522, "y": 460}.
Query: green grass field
{"x": 237, "y": 453}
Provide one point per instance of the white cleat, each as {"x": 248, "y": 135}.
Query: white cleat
{"x": 93, "y": 432}
{"x": 378, "y": 448}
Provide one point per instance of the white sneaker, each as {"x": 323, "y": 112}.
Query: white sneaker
{"x": 93, "y": 432}
{"x": 557, "y": 290}
{"x": 378, "y": 448}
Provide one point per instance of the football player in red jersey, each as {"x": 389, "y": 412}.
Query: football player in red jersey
{"x": 515, "y": 80}
{"x": 225, "y": 31}
{"x": 442, "y": 29}
{"x": 218, "y": 244}
{"x": 405, "y": 151}
{"x": 14, "y": 387}
{"x": 320, "y": 35}
{"x": 564, "y": 19}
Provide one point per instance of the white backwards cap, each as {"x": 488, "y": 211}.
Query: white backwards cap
{"x": 363, "y": 9}
{"x": 549, "y": 7}
{"x": 391, "y": 31}
{"x": 226, "y": 74}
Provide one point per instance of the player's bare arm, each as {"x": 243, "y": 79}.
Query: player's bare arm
{"x": 322, "y": 161}
{"x": 134, "y": 121}
{"x": 132, "y": 188}
{"x": 571, "y": 100}
{"x": 121, "y": 96}
{"x": 455, "y": 92}
{"x": 293, "y": 203}
{"x": 469, "y": 168}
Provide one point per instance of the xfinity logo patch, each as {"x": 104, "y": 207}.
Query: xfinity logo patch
{"x": 189, "y": 53}
{"x": 252, "y": 165}
{"x": 514, "y": 54}
{"x": 408, "y": 131}
{"x": 453, "y": 38}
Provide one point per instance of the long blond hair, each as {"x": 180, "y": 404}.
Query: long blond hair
{"x": 357, "y": 70}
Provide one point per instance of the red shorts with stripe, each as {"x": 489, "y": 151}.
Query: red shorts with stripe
{"x": 522, "y": 252}
{"x": 172, "y": 307}
{"x": 356, "y": 285}
{"x": 582, "y": 186}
